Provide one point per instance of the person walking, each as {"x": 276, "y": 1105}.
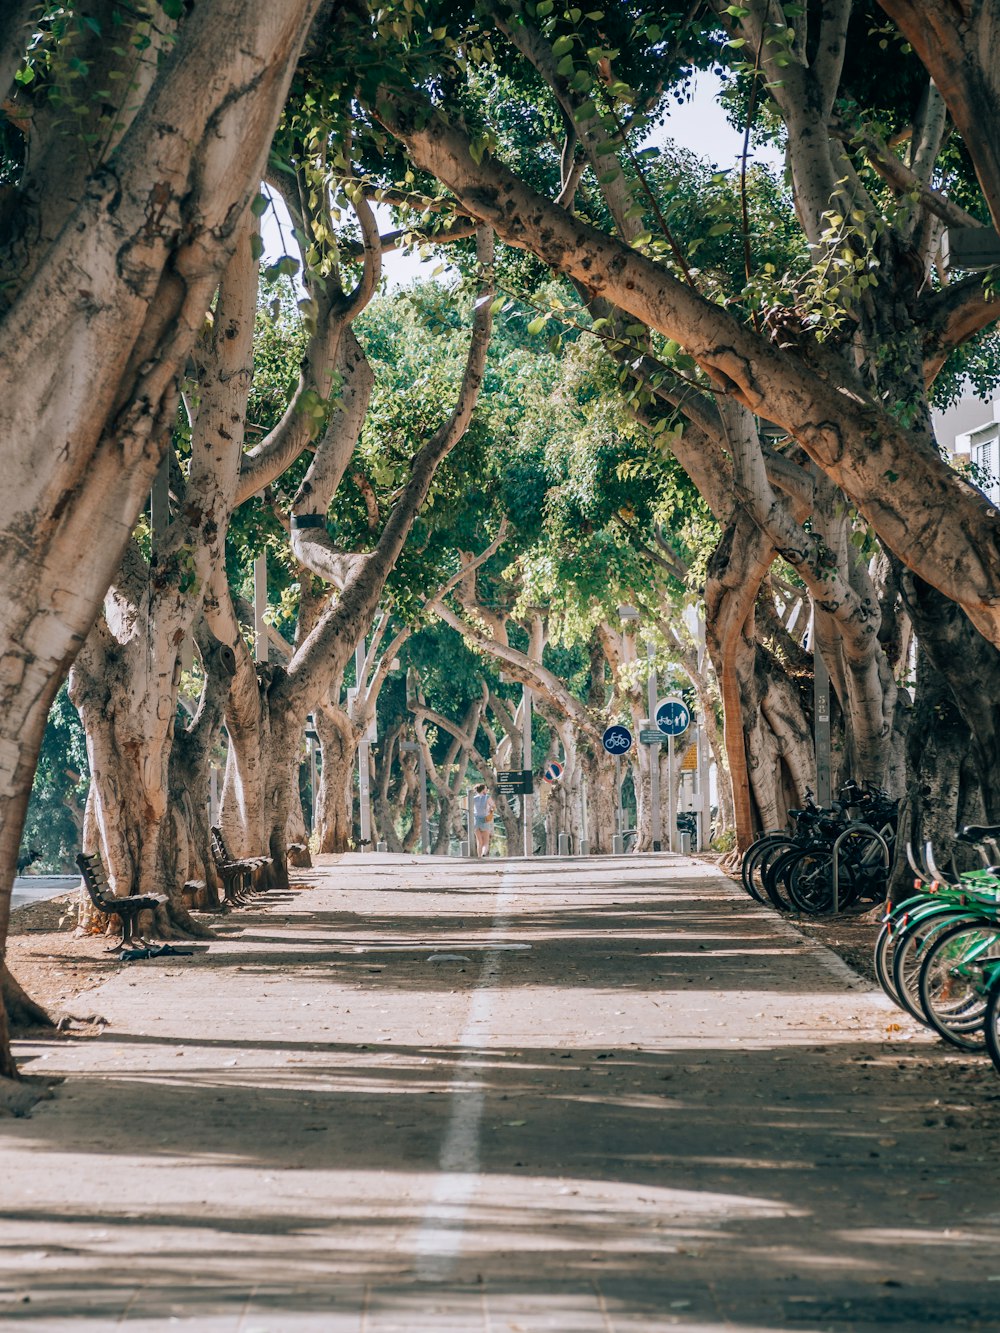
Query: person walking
{"x": 483, "y": 810}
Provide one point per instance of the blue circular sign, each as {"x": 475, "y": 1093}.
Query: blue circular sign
{"x": 553, "y": 771}
{"x": 673, "y": 717}
{"x": 617, "y": 740}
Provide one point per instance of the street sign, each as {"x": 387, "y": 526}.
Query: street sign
{"x": 673, "y": 717}
{"x": 553, "y": 772}
{"x": 653, "y": 737}
{"x": 617, "y": 740}
{"x": 515, "y": 782}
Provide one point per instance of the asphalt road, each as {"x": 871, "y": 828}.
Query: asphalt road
{"x": 36, "y": 888}
{"x": 432, "y": 1096}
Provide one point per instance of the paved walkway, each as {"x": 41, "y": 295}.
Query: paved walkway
{"x": 36, "y": 888}
{"x": 506, "y": 1097}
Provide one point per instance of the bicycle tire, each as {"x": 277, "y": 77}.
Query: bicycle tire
{"x": 893, "y": 930}
{"x": 951, "y": 992}
{"x": 911, "y": 950}
{"x": 773, "y": 877}
{"x": 810, "y": 883}
{"x": 991, "y": 1026}
{"x": 885, "y": 943}
{"x": 862, "y": 852}
{"x": 750, "y": 870}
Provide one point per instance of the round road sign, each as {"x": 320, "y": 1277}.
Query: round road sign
{"x": 673, "y": 716}
{"x": 553, "y": 772}
{"x": 617, "y": 740}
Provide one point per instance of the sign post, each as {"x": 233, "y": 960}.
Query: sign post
{"x": 617, "y": 741}
{"x": 673, "y": 717}
{"x": 654, "y": 755}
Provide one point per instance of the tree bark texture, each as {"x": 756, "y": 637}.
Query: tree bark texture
{"x": 119, "y": 295}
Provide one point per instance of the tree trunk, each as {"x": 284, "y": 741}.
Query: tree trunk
{"x": 145, "y": 240}
{"x": 17, "y": 1009}
{"x": 602, "y": 799}
{"x": 338, "y": 741}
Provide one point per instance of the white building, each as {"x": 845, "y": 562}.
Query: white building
{"x": 971, "y": 429}
{"x": 981, "y": 445}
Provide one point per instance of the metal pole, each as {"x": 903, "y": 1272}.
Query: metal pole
{"x": 424, "y": 826}
{"x": 526, "y": 767}
{"x": 364, "y": 760}
{"x": 313, "y": 778}
{"x": 704, "y": 788}
{"x": 821, "y": 710}
{"x": 654, "y": 756}
{"x": 621, "y": 812}
{"x": 259, "y": 607}
{"x": 671, "y": 795}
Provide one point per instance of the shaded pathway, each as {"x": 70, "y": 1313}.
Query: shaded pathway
{"x": 441, "y": 1095}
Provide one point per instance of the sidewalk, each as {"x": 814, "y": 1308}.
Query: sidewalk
{"x": 442, "y": 1096}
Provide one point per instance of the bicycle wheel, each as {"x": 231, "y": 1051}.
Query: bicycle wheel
{"x": 810, "y": 881}
{"x": 752, "y": 860}
{"x": 952, "y": 990}
{"x": 912, "y": 945}
{"x": 992, "y": 1025}
{"x": 885, "y": 944}
{"x": 774, "y": 874}
{"x": 862, "y": 853}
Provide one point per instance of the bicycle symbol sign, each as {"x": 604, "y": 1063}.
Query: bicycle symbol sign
{"x": 617, "y": 740}
{"x": 673, "y": 717}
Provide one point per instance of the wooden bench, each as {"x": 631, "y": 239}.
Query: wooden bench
{"x": 105, "y": 900}
{"x": 237, "y": 873}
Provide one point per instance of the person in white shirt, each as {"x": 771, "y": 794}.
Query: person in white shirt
{"x": 482, "y": 817}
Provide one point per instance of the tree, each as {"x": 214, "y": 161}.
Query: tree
{"x": 118, "y": 217}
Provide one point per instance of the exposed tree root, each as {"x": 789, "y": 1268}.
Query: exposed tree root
{"x": 19, "y": 1095}
{"x": 21, "y": 1009}
{"x": 174, "y": 921}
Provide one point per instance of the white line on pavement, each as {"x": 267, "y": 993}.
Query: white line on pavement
{"x": 439, "y": 1239}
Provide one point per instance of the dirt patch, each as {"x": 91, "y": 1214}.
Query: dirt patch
{"x": 50, "y": 960}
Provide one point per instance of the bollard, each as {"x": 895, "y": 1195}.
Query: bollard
{"x": 685, "y": 847}
{"x": 617, "y": 844}
{"x": 564, "y": 844}
{"x": 584, "y": 846}
{"x": 463, "y": 849}
{"x": 381, "y": 846}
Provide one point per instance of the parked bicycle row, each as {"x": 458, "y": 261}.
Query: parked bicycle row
{"x": 832, "y": 858}
{"x": 938, "y": 953}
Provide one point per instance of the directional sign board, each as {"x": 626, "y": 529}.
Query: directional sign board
{"x": 617, "y": 740}
{"x": 673, "y": 717}
{"x": 553, "y": 772}
{"x": 515, "y": 782}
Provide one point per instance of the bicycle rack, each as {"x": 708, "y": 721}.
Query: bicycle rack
{"x": 854, "y": 828}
